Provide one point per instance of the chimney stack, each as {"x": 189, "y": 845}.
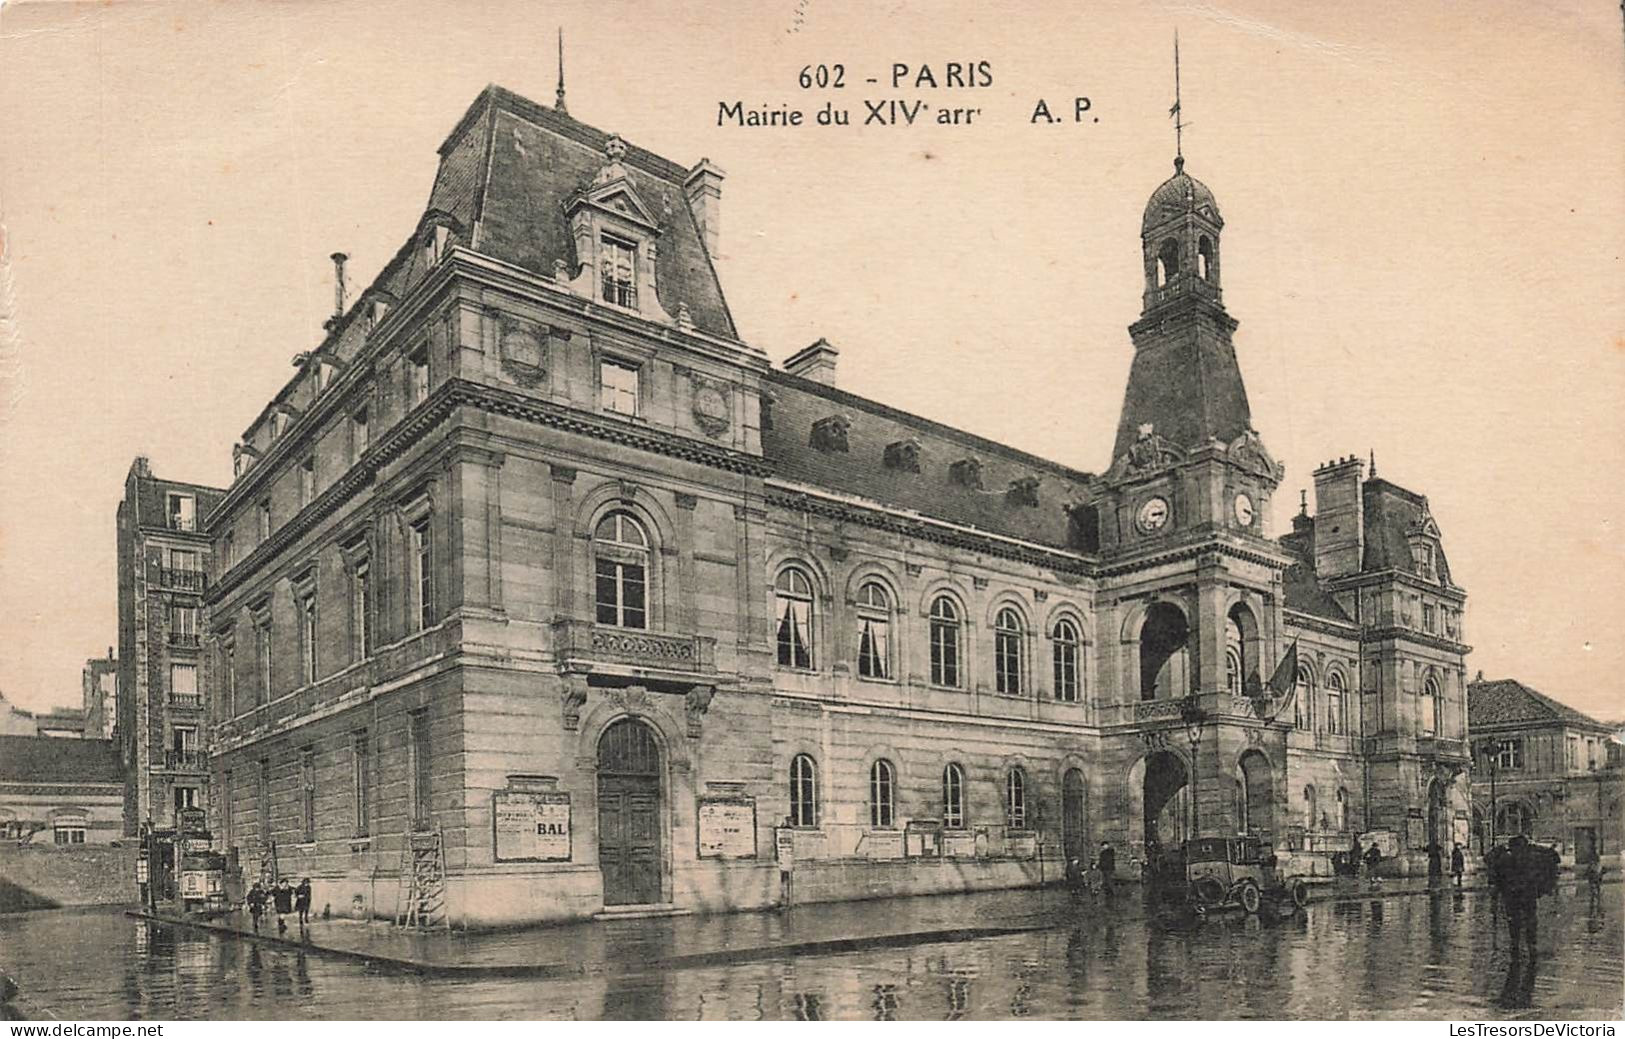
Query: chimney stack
{"x": 703, "y": 187}
{"x": 1339, "y": 517}
{"x": 338, "y": 284}
{"x": 815, "y": 363}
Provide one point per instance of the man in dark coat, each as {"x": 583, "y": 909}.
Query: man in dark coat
{"x": 1527, "y": 873}
{"x": 1108, "y": 865}
{"x": 282, "y": 896}
{"x": 301, "y": 902}
{"x": 256, "y": 904}
{"x": 1458, "y": 863}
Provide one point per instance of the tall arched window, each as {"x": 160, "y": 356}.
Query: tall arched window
{"x": 1008, "y": 636}
{"x": 882, "y": 795}
{"x": 1065, "y": 639}
{"x": 1303, "y": 703}
{"x": 793, "y": 605}
{"x": 944, "y": 642}
{"x": 1167, "y": 261}
{"x": 1015, "y": 799}
{"x": 1310, "y": 811}
{"x": 1432, "y": 706}
{"x": 803, "y": 791}
{"x": 1342, "y": 810}
{"x": 874, "y": 631}
{"x": 953, "y": 797}
{"x": 1336, "y": 722}
{"x": 1204, "y": 258}
{"x": 621, "y": 571}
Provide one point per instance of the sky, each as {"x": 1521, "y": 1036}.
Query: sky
{"x": 1424, "y": 222}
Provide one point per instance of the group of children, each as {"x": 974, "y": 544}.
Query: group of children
{"x": 283, "y": 898}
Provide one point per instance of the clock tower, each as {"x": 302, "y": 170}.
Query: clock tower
{"x": 1192, "y": 580}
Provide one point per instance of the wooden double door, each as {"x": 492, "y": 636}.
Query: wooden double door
{"x": 629, "y": 816}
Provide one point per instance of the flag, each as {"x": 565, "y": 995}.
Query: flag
{"x": 1284, "y": 683}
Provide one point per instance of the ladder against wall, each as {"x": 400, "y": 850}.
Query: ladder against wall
{"x": 420, "y": 895}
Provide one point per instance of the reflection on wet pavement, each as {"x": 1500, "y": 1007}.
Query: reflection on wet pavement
{"x": 1431, "y": 956}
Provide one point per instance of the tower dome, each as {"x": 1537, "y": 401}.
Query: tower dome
{"x": 1178, "y": 195}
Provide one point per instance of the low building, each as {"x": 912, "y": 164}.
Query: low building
{"x": 1544, "y": 770}
{"x": 60, "y": 791}
{"x": 61, "y": 723}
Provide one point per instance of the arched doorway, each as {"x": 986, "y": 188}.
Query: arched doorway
{"x": 629, "y": 813}
{"x": 1166, "y": 811}
{"x": 1164, "y": 653}
{"x": 1073, "y": 821}
{"x": 1258, "y": 796}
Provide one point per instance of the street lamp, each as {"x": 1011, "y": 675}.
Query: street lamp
{"x": 1195, "y": 720}
{"x": 1491, "y": 749}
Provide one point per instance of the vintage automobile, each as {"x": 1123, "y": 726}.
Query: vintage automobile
{"x": 1236, "y": 871}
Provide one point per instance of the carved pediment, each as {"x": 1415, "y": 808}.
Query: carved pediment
{"x": 1150, "y": 452}
{"x": 829, "y": 434}
{"x": 1248, "y": 452}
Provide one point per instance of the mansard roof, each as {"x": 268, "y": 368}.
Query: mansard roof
{"x": 53, "y": 759}
{"x": 1301, "y": 589}
{"x": 990, "y": 495}
{"x": 1507, "y": 701}
{"x": 1392, "y": 516}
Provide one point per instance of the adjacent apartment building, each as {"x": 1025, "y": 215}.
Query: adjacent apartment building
{"x": 99, "y": 682}
{"x": 163, "y": 560}
{"x": 537, "y": 562}
{"x": 1544, "y": 770}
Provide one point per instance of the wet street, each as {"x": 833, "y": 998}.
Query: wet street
{"x": 1422, "y": 956}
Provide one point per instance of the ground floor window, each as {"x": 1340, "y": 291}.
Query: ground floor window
{"x": 70, "y": 835}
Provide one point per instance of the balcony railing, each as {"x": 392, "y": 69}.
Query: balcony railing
{"x": 184, "y": 639}
{"x": 186, "y": 701}
{"x": 183, "y": 759}
{"x": 583, "y": 645}
{"x": 181, "y": 580}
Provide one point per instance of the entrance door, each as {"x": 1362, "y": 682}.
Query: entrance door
{"x": 1072, "y": 819}
{"x": 629, "y": 814}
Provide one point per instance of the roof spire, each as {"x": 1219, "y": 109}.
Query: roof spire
{"x": 1177, "y": 114}
{"x": 1373, "y": 463}
{"x": 558, "y": 96}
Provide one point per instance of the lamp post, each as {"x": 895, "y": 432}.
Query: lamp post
{"x": 1491, "y": 749}
{"x": 1195, "y": 720}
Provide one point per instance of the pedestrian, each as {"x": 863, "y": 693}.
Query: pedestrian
{"x": 1094, "y": 879}
{"x": 282, "y": 897}
{"x": 1108, "y": 866}
{"x": 301, "y": 901}
{"x": 1458, "y": 863}
{"x": 1528, "y": 872}
{"x": 256, "y": 904}
{"x": 1373, "y": 859}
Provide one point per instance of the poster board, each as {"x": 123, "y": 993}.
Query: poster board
{"x": 726, "y": 828}
{"x": 530, "y": 826}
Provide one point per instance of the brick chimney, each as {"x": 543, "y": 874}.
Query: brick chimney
{"x": 815, "y": 363}
{"x": 1339, "y": 517}
{"x": 703, "y": 187}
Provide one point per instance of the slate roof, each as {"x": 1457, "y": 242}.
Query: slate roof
{"x": 1179, "y": 194}
{"x": 46, "y": 759}
{"x": 1301, "y": 589}
{"x": 1507, "y": 701}
{"x": 1391, "y": 512}
{"x": 861, "y": 471}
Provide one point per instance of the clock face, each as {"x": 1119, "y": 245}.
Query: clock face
{"x": 1244, "y": 510}
{"x": 1153, "y": 515}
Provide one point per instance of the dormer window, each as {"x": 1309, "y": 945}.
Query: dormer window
{"x": 618, "y": 270}
{"x": 435, "y": 242}
{"x": 279, "y": 424}
{"x": 1422, "y": 559}
{"x": 324, "y": 375}
{"x": 182, "y": 509}
{"x": 375, "y": 313}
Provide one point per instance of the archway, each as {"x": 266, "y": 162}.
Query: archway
{"x": 1074, "y": 822}
{"x": 1164, "y": 653}
{"x": 1166, "y": 811}
{"x": 1258, "y": 795}
{"x": 629, "y": 813}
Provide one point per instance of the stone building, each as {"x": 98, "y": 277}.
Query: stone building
{"x": 537, "y": 559}
{"x": 55, "y": 791}
{"x": 99, "y": 682}
{"x": 1545, "y": 770}
{"x": 163, "y": 560}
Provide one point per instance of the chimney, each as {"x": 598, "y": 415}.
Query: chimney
{"x": 1339, "y": 517}
{"x": 815, "y": 363}
{"x": 338, "y": 289}
{"x": 703, "y": 187}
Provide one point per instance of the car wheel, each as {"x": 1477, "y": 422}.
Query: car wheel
{"x": 1207, "y": 891}
{"x": 1300, "y": 894}
{"x": 1249, "y": 896}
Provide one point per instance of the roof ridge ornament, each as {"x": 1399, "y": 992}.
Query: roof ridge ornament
{"x": 558, "y": 95}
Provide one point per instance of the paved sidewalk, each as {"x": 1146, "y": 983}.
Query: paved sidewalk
{"x": 673, "y": 942}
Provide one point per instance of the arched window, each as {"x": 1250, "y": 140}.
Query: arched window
{"x": 1167, "y": 261}
{"x": 803, "y": 791}
{"x": 1232, "y": 666}
{"x": 1336, "y": 723}
{"x": 1204, "y": 258}
{"x": 1015, "y": 799}
{"x": 1342, "y": 810}
{"x": 1303, "y": 703}
{"x": 1432, "y": 706}
{"x": 1310, "y": 813}
{"x": 1007, "y": 649}
{"x": 1065, "y": 637}
{"x": 874, "y": 631}
{"x": 793, "y": 605}
{"x": 953, "y": 797}
{"x": 621, "y": 571}
{"x": 1511, "y": 819}
{"x": 944, "y": 642}
{"x": 882, "y": 795}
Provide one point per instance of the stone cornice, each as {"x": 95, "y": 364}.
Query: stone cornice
{"x": 1323, "y": 625}
{"x": 1417, "y": 637}
{"x": 1192, "y": 550}
{"x": 1404, "y": 577}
